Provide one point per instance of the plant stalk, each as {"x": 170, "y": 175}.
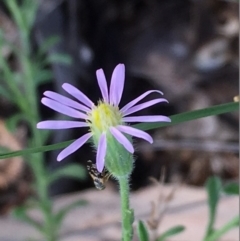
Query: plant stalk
{"x": 127, "y": 213}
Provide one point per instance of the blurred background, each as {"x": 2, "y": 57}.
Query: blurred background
{"x": 187, "y": 49}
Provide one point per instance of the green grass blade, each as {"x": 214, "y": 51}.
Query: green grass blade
{"x": 192, "y": 115}
{"x": 36, "y": 149}
{"x": 213, "y": 187}
{"x": 171, "y": 232}
{"x": 176, "y": 119}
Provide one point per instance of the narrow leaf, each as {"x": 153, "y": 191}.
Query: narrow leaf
{"x": 65, "y": 210}
{"x": 43, "y": 77}
{"x": 142, "y": 232}
{"x": 213, "y": 187}
{"x": 4, "y": 93}
{"x": 60, "y": 59}
{"x": 71, "y": 170}
{"x": 28, "y": 9}
{"x": 216, "y": 235}
{"x": 176, "y": 119}
{"x": 13, "y": 121}
{"x": 35, "y": 149}
{"x": 192, "y": 115}
{"x": 231, "y": 189}
{"x": 20, "y": 213}
{"x": 47, "y": 44}
{"x": 171, "y": 232}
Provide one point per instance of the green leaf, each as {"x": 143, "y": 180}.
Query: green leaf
{"x": 213, "y": 187}
{"x": 59, "y": 58}
{"x": 4, "y": 93}
{"x": 142, "y": 232}
{"x": 176, "y": 119}
{"x": 47, "y": 44}
{"x": 65, "y": 210}
{"x": 170, "y": 232}
{"x": 9, "y": 78}
{"x": 192, "y": 115}
{"x": 18, "y": 78}
{"x": 36, "y": 149}
{"x": 13, "y": 121}
{"x": 231, "y": 189}
{"x": 43, "y": 76}
{"x": 20, "y": 213}
{"x": 71, "y": 170}
{"x": 216, "y": 235}
{"x": 28, "y": 9}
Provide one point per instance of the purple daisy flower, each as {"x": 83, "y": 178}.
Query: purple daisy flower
{"x": 102, "y": 119}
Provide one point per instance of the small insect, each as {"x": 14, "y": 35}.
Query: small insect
{"x": 99, "y": 179}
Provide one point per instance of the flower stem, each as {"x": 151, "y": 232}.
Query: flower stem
{"x": 127, "y": 213}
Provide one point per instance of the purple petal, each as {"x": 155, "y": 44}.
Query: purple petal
{"x": 63, "y": 109}
{"x": 117, "y": 84}
{"x": 60, "y": 124}
{"x": 135, "y": 132}
{"x": 101, "y": 152}
{"x": 66, "y": 101}
{"x": 77, "y": 94}
{"x": 74, "y": 146}
{"x": 143, "y": 106}
{"x": 147, "y": 118}
{"x": 135, "y": 101}
{"x": 102, "y": 84}
{"x": 122, "y": 139}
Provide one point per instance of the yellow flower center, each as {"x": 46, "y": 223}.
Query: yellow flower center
{"x": 104, "y": 116}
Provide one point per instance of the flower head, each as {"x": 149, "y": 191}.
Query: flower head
{"x": 107, "y": 123}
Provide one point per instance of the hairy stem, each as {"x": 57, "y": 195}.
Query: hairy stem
{"x": 127, "y": 213}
